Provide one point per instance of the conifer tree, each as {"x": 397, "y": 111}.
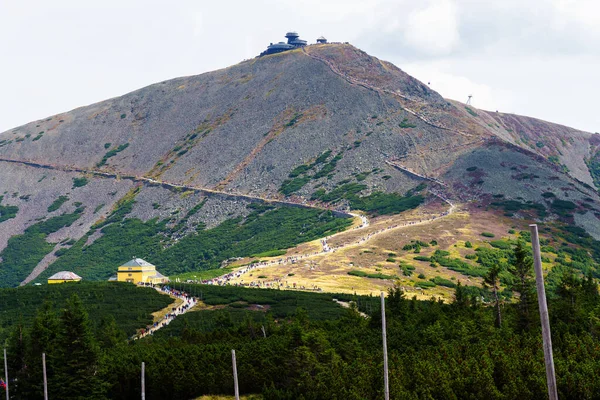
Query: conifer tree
{"x": 522, "y": 270}
{"x": 42, "y": 339}
{"x": 492, "y": 280}
{"x": 15, "y": 348}
{"x": 461, "y": 299}
{"x": 78, "y": 355}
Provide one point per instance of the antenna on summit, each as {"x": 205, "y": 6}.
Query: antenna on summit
{"x": 469, "y": 100}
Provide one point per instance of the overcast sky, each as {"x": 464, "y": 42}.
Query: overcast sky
{"x": 533, "y": 57}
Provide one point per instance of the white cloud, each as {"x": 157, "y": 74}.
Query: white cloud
{"x": 433, "y": 29}
{"x": 453, "y": 86}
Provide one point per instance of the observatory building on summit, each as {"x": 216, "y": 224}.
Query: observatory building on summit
{"x": 293, "y": 42}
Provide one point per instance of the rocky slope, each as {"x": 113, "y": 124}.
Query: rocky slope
{"x": 244, "y": 130}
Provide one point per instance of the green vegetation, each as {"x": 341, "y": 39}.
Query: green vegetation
{"x": 311, "y": 346}
{"x": 112, "y": 153}
{"x": 439, "y": 281}
{"x": 405, "y": 124}
{"x": 377, "y": 275}
{"x": 470, "y": 111}
{"x": 56, "y": 204}
{"x": 24, "y": 252}
{"x": 425, "y": 284}
{"x": 442, "y": 258}
{"x": 514, "y": 205}
{"x": 488, "y": 234}
{"x": 500, "y": 244}
{"x": 378, "y": 203}
{"x": 294, "y": 120}
{"x": 270, "y": 253}
{"x": 79, "y": 182}
{"x": 290, "y": 186}
{"x": 201, "y": 275}
{"x": 594, "y": 167}
{"x": 38, "y": 137}
{"x": 102, "y": 299}
{"x": 421, "y": 258}
{"x": 563, "y": 207}
{"x": 264, "y": 229}
{"x": 407, "y": 270}
{"x": 7, "y": 212}
{"x": 414, "y": 245}
{"x": 300, "y": 175}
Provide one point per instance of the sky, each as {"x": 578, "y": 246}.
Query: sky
{"x": 539, "y": 58}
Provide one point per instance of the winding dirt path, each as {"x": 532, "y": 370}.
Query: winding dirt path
{"x": 170, "y": 312}
{"x": 171, "y": 185}
{"x": 227, "y": 278}
{"x": 379, "y": 90}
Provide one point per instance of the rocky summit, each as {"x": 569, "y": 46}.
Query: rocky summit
{"x": 323, "y": 129}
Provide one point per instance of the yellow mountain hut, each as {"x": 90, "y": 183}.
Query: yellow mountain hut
{"x": 140, "y": 271}
{"x": 64, "y": 276}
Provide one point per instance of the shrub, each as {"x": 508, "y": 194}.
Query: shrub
{"x": 7, "y": 212}
{"x": 364, "y": 274}
{"x": 112, "y": 153}
{"x": 470, "y": 111}
{"x": 563, "y": 205}
{"x": 270, "y": 253}
{"x": 425, "y": 284}
{"x": 79, "y": 182}
{"x": 421, "y": 276}
{"x": 421, "y": 258}
{"x": 438, "y": 280}
{"x": 57, "y": 203}
{"x": 500, "y": 244}
{"x": 488, "y": 234}
{"x": 405, "y": 124}
{"x": 468, "y": 245}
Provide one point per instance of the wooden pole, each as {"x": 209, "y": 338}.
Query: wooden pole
{"x": 45, "y": 376}
{"x": 143, "y": 381}
{"x": 235, "y": 378}
{"x": 385, "y": 354}
{"x": 541, "y": 294}
{"x": 6, "y": 374}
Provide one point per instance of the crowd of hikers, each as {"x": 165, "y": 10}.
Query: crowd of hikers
{"x": 188, "y": 303}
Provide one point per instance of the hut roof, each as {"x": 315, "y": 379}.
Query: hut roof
{"x": 137, "y": 262}
{"x": 65, "y": 275}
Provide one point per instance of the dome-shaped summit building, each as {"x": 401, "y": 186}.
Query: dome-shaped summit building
{"x": 293, "y": 42}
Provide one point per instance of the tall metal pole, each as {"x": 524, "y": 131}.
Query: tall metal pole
{"x": 45, "y": 377}
{"x": 541, "y": 294}
{"x": 235, "y": 379}
{"x": 6, "y": 374}
{"x": 143, "y": 380}
{"x": 386, "y": 381}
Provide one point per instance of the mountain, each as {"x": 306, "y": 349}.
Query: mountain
{"x": 198, "y": 169}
